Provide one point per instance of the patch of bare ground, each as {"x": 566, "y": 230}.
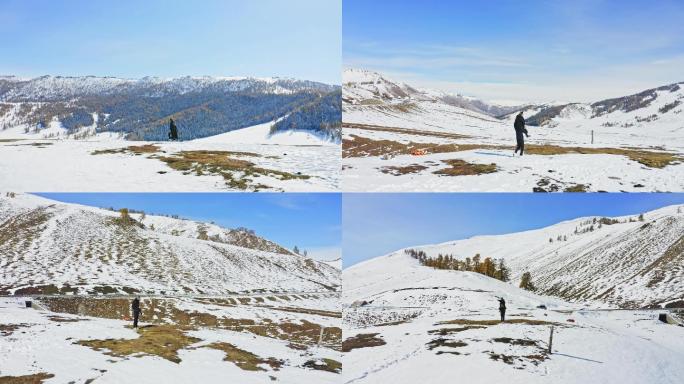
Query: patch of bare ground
{"x": 237, "y": 173}
{"x": 246, "y": 360}
{"x": 496, "y": 322}
{"x": 437, "y": 343}
{"x": 36, "y": 378}
{"x": 538, "y": 354}
{"x": 134, "y": 149}
{"x": 328, "y": 365}
{"x": 307, "y": 311}
{"x": 362, "y": 340}
{"x": 159, "y": 340}
{"x": 406, "y": 131}
{"x": 357, "y": 146}
{"x": 8, "y": 329}
{"x": 398, "y": 171}
{"x": 448, "y": 331}
{"x": 163, "y": 311}
{"x": 460, "y": 167}
{"x": 549, "y": 185}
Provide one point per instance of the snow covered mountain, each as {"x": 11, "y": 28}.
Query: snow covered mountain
{"x": 625, "y": 261}
{"x": 141, "y": 108}
{"x": 53, "y": 247}
{"x": 406, "y": 323}
{"x": 662, "y": 105}
{"x": 365, "y": 87}
{"x": 62, "y": 88}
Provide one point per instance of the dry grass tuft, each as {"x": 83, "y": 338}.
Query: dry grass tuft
{"x": 362, "y": 340}
{"x": 158, "y": 340}
{"x": 245, "y": 360}
{"x": 463, "y": 168}
{"x": 36, "y": 378}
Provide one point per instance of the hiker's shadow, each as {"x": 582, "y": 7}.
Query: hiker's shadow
{"x": 493, "y": 154}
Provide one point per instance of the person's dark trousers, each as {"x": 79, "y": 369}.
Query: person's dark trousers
{"x": 503, "y": 315}
{"x": 136, "y": 314}
{"x": 521, "y": 143}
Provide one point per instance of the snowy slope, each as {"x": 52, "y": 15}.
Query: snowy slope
{"x": 261, "y": 134}
{"x": 397, "y": 138}
{"x": 337, "y": 263}
{"x": 363, "y": 87}
{"x": 49, "y": 246}
{"x": 426, "y": 325}
{"x": 48, "y": 339}
{"x": 628, "y": 264}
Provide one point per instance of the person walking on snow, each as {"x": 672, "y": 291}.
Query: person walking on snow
{"x": 173, "y": 131}
{"x": 519, "y": 126}
{"x": 502, "y": 309}
{"x": 135, "y": 308}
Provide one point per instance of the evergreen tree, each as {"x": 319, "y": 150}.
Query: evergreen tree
{"x": 503, "y": 272}
{"x": 295, "y": 250}
{"x": 526, "y": 282}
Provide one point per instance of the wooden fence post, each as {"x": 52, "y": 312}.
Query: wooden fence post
{"x": 551, "y": 340}
{"x": 320, "y": 337}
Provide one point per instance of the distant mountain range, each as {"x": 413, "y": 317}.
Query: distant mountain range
{"x": 52, "y": 247}
{"x": 141, "y": 109}
{"x": 661, "y": 105}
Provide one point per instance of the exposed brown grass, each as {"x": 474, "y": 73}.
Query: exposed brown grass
{"x": 307, "y": 311}
{"x": 448, "y": 331}
{"x": 463, "y": 168}
{"x": 359, "y": 146}
{"x": 140, "y": 149}
{"x": 328, "y": 365}
{"x": 8, "y": 329}
{"x": 36, "y": 378}
{"x": 237, "y": 173}
{"x": 445, "y": 343}
{"x": 496, "y": 322}
{"x": 363, "y": 147}
{"x": 244, "y": 359}
{"x": 398, "y": 171}
{"x": 159, "y": 340}
{"x": 362, "y": 340}
{"x": 407, "y": 131}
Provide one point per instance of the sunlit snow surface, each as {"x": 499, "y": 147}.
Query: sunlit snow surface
{"x": 58, "y": 163}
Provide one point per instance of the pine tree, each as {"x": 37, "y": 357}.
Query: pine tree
{"x": 476, "y": 263}
{"x": 503, "y": 272}
{"x": 526, "y": 282}
{"x": 641, "y": 217}
{"x": 295, "y": 250}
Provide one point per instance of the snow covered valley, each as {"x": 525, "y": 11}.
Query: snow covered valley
{"x": 609, "y": 289}
{"x": 398, "y": 138}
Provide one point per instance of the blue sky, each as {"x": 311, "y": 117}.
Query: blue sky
{"x": 520, "y": 50}
{"x": 169, "y": 38}
{"x": 377, "y": 224}
{"x": 309, "y": 220}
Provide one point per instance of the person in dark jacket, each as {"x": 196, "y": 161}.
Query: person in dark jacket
{"x": 135, "y": 308}
{"x": 519, "y": 126}
{"x": 502, "y": 309}
{"x": 173, "y": 131}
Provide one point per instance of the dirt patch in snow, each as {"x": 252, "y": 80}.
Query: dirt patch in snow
{"x": 362, "y": 340}
{"x": 328, "y": 365}
{"x": 37, "y": 378}
{"x": 460, "y": 167}
{"x": 246, "y": 360}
